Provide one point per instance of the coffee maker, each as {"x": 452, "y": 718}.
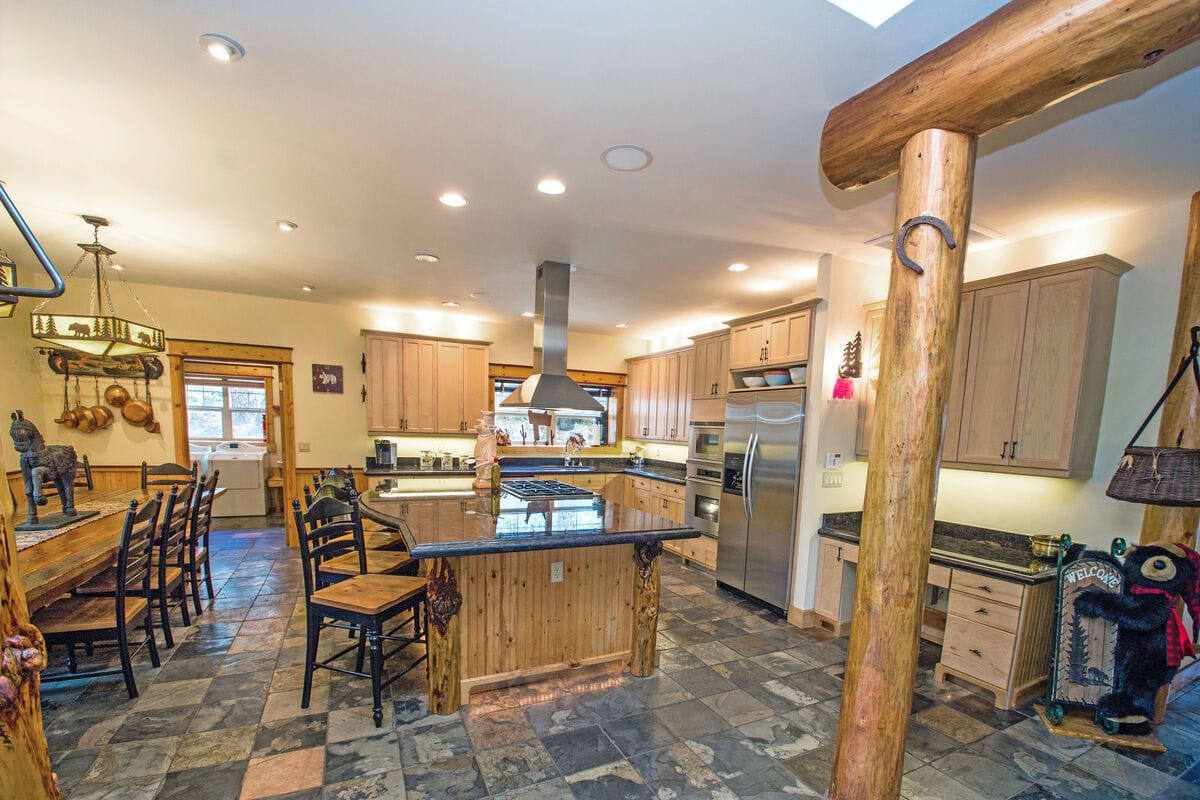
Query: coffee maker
{"x": 385, "y": 454}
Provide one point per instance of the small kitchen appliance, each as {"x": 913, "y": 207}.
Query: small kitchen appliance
{"x": 385, "y": 454}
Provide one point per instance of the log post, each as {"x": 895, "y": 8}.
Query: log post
{"x": 287, "y": 447}
{"x": 919, "y": 329}
{"x": 645, "y": 608}
{"x": 1181, "y": 413}
{"x": 25, "y": 769}
{"x": 443, "y": 645}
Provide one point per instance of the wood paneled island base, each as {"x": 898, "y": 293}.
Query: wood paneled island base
{"x": 498, "y": 616}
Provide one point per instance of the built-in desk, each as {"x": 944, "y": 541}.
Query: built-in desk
{"x": 990, "y": 606}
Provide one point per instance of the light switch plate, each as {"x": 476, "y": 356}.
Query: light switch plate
{"x": 556, "y": 572}
{"x": 831, "y": 478}
{"x": 304, "y": 447}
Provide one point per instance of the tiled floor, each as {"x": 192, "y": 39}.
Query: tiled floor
{"x": 742, "y": 706}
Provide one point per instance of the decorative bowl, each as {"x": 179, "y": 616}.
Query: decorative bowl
{"x": 798, "y": 374}
{"x": 1044, "y": 547}
{"x": 754, "y": 381}
{"x": 777, "y": 377}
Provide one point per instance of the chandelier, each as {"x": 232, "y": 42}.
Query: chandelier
{"x": 98, "y": 333}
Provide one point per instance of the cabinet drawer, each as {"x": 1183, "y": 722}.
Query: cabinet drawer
{"x": 987, "y": 612}
{"x": 845, "y": 551}
{"x": 978, "y": 650}
{"x": 640, "y": 484}
{"x": 986, "y": 587}
{"x": 591, "y": 481}
{"x": 667, "y": 489}
{"x": 702, "y": 550}
{"x": 939, "y": 576}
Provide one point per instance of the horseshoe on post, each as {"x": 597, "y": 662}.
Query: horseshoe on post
{"x": 902, "y": 237}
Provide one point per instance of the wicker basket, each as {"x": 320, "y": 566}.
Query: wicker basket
{"x": 1161, "y": 476}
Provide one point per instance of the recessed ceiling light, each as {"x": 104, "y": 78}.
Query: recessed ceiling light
{"x": 222, "y": 48}
{"x": 428, "y": 258}
{"x": 480, "y": 295}
{"x": 622, "y": 325}
{"x": 872, "y": 12}
{"x": 739, "y": 267}
{"x": 527, "y": 314}
{"x": 285, "y": 226}
{"x": 626, "y": 157}
{"x": 307, "y": 288}
{"x": 551, "y": 186}
{"x": 117, "y": 267}
{"x": 451, "y": 304}
{"x": 452, "y": 199}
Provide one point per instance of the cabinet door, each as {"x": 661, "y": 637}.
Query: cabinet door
{"x": 639, "y": 396}
{"x": 746, "y": 344}
{"x": 384, "y": 356}
{"x": 683, "y": 397}
{"x": 669, "y": 402}
{"x": 420, "y": 386}
{"x": 958, "y": 379}
{"x": 1056, "y": 333}
{"x": 721, "y": 372}
{"x": 672, "y": 509}
{"x": 787, "y": 338}
{"x": 476, "y": 384}
{"x": 660, "y": 369}
{"x": 993, "y": 370}
{"x": 828, "y": 598}
{"x": 704, "y": 356}
{"x": 641, "y": 499}
{"x": 450, "y": 387}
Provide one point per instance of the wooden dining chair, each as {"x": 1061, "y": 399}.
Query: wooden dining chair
{"x": 196, "y": 553}
{"x": 361, "y": 602}
{"x": 168, "y": 589}
{"x": 83, "y": 479}
{"x": 75, "y": 620}
{"x": 374, "y": 538}
{"x": 168, "y": 474}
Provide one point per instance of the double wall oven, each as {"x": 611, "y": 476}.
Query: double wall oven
{"x": 704, "y": 473}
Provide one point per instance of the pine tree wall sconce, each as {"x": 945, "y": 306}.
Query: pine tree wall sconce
{"x": 849, "y": 369}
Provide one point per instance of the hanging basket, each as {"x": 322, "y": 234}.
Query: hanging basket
{"x": 1161, "y": 476}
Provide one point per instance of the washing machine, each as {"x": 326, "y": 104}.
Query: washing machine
{"x": 244, "y": 478}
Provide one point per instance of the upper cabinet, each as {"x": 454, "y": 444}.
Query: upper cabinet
{"x": 659, "y": 396}
{"x": 1029, "y": 370}
{"x": 710, "y": 367}
{"x": 777, "y": 337}
{"x": 418, "y": 385}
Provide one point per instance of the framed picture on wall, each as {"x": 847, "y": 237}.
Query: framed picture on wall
{"x": 327, "y": 378}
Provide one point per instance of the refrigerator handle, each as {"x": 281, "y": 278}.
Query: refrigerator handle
{"x": 748, "y": 478}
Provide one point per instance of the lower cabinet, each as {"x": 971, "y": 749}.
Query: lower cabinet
{"x": 997, "y": 632}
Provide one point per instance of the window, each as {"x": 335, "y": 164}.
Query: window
{"x": 594, "y": 428}
{"x": 222, "y": 409}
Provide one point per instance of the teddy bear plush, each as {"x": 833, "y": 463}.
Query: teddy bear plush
{"x": 1151, "y": 638}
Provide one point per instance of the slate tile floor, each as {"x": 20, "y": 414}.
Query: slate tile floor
{"x": 742, "y": 706}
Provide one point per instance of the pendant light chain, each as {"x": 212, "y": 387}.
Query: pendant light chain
{"x": 137, "y": 300}
{"x": 70, "y": 274}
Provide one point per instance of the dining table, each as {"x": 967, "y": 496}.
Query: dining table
{"x": 55, "y": 566}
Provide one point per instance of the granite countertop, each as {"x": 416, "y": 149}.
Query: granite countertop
{"x": 523, "y": 466}
{"x": 467, "y": 523}
{"x": 1000, "y": 553}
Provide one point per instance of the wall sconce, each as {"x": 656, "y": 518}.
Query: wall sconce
{"x": 849, "y": 369}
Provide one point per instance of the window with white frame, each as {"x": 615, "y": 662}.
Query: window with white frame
{"x": 597, "y": 430}
{"x": 221, "y": 409}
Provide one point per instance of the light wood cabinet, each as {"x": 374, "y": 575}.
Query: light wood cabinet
{"x": 830, "y": 567}
{"x": 660, "y": 392}
{"x": 788, "y": 338}
{"x": 419, "y": 385}
{"x": 1030, "y": 367}
{"x": 780, "y": 336}
{"x": 710, "y": 367}
{"x": 747, "y": 344}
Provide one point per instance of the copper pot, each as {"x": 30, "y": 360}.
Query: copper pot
{"x": 85, "y": 419}
{"x": 103, "y": 416}
{"x": 136, "y": 411}
{"x": 116, "y": 395}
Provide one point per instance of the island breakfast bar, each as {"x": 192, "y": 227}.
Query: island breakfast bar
{"x": 521, "y": 589}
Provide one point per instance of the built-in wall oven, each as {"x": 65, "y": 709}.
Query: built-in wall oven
{"x": 707, "y": 443}
{"x": 703, "y": 496}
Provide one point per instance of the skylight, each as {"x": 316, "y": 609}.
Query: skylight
{"x": 872, "y": 12}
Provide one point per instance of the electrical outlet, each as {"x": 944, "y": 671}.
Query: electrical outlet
{"x": 831, "y": 478}
{"x": 556, "y": 571}
{"x": 304, "y": 447}
{"x": 833, "y": 460}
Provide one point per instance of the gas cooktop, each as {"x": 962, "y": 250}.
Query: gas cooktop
{"x": 530, "y": 489}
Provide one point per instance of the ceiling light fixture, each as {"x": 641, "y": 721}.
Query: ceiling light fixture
{"x": 480, "y": 295}
{"x": 527, "y": 314}
{"x": 622, "y": 325}
{"x": 428, "y": 258}
{"x": 307, "y": 288}
{"x": 739, "y": 267}
{"x": 451, "y": 304}
{"x": 285, "y": 226}
{"x": 222, "y": 48}
{"x": 626, "y": 157}
{"x": 551, "y": 186}
{"x": 452, "y": 199}
{"x": 96, "y": 332}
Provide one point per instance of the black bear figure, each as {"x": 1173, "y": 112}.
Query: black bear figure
{"x": 1151, "y": 638}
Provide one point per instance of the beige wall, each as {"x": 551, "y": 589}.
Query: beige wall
{"x": 333, "y": 425}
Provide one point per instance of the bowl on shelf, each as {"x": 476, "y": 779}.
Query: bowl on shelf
{"x": 777, "y": 377}
{"x": 798, "y": 374}
{"x": 754, "y": 381}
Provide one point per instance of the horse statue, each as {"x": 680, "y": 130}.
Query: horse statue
{"x": 41, "y": 463}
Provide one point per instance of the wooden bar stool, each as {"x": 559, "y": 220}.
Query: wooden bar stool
{"x": 359, "y": 602}
{"x": 196, "y": 553}
{"x": 72, "y": 620}
{"x": 378, "y": 538}
{"x": 168, "y": 474}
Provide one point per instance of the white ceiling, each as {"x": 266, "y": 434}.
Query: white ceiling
{"x": 351, "y": 118}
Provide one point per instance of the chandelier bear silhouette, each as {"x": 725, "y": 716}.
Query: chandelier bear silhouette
{"x": 98, "y": 333}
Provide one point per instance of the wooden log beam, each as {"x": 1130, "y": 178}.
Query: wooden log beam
{"x": 287, "y": 447}
{"x": 24, "y": 757}
{"x": 1026, "y": 56}
{"x": 443, "y": 646}
{"x": 645, "y": 608}
{"x": 1181, "y": 412}
{"x": 919, "y": 330}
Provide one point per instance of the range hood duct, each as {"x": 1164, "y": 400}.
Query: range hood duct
{"x": 549, "y": 388}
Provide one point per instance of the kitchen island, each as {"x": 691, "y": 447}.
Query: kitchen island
{"x": 521, "y": 589}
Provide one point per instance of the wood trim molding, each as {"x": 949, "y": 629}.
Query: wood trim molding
{"x": 682, "y": 349}
{"x": 774, "y": 312}
{"x": 227, "y": 370}
{"x": 520, "y": 372}
{"x": 710, "y": 335}
{"x": 228, "y": 351}
{"x": 401, "y": 335}
{"x": 801, "y": 617}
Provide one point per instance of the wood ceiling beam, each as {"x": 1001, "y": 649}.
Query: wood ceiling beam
{"x": 1026, "y": 56}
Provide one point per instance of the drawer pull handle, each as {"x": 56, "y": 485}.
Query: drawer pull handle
{"x": 1014, "y": 448}
{"x": 983, "y": 611}
{"x": 976, "y": 652}
{"x": 1004, "y": 451}
{"x": 985, "y": 588}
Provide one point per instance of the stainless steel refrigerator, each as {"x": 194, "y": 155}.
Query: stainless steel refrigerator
{"x": 764, "y": 432}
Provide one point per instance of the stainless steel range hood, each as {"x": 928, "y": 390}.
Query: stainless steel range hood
{"x": 549, "y": 388}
